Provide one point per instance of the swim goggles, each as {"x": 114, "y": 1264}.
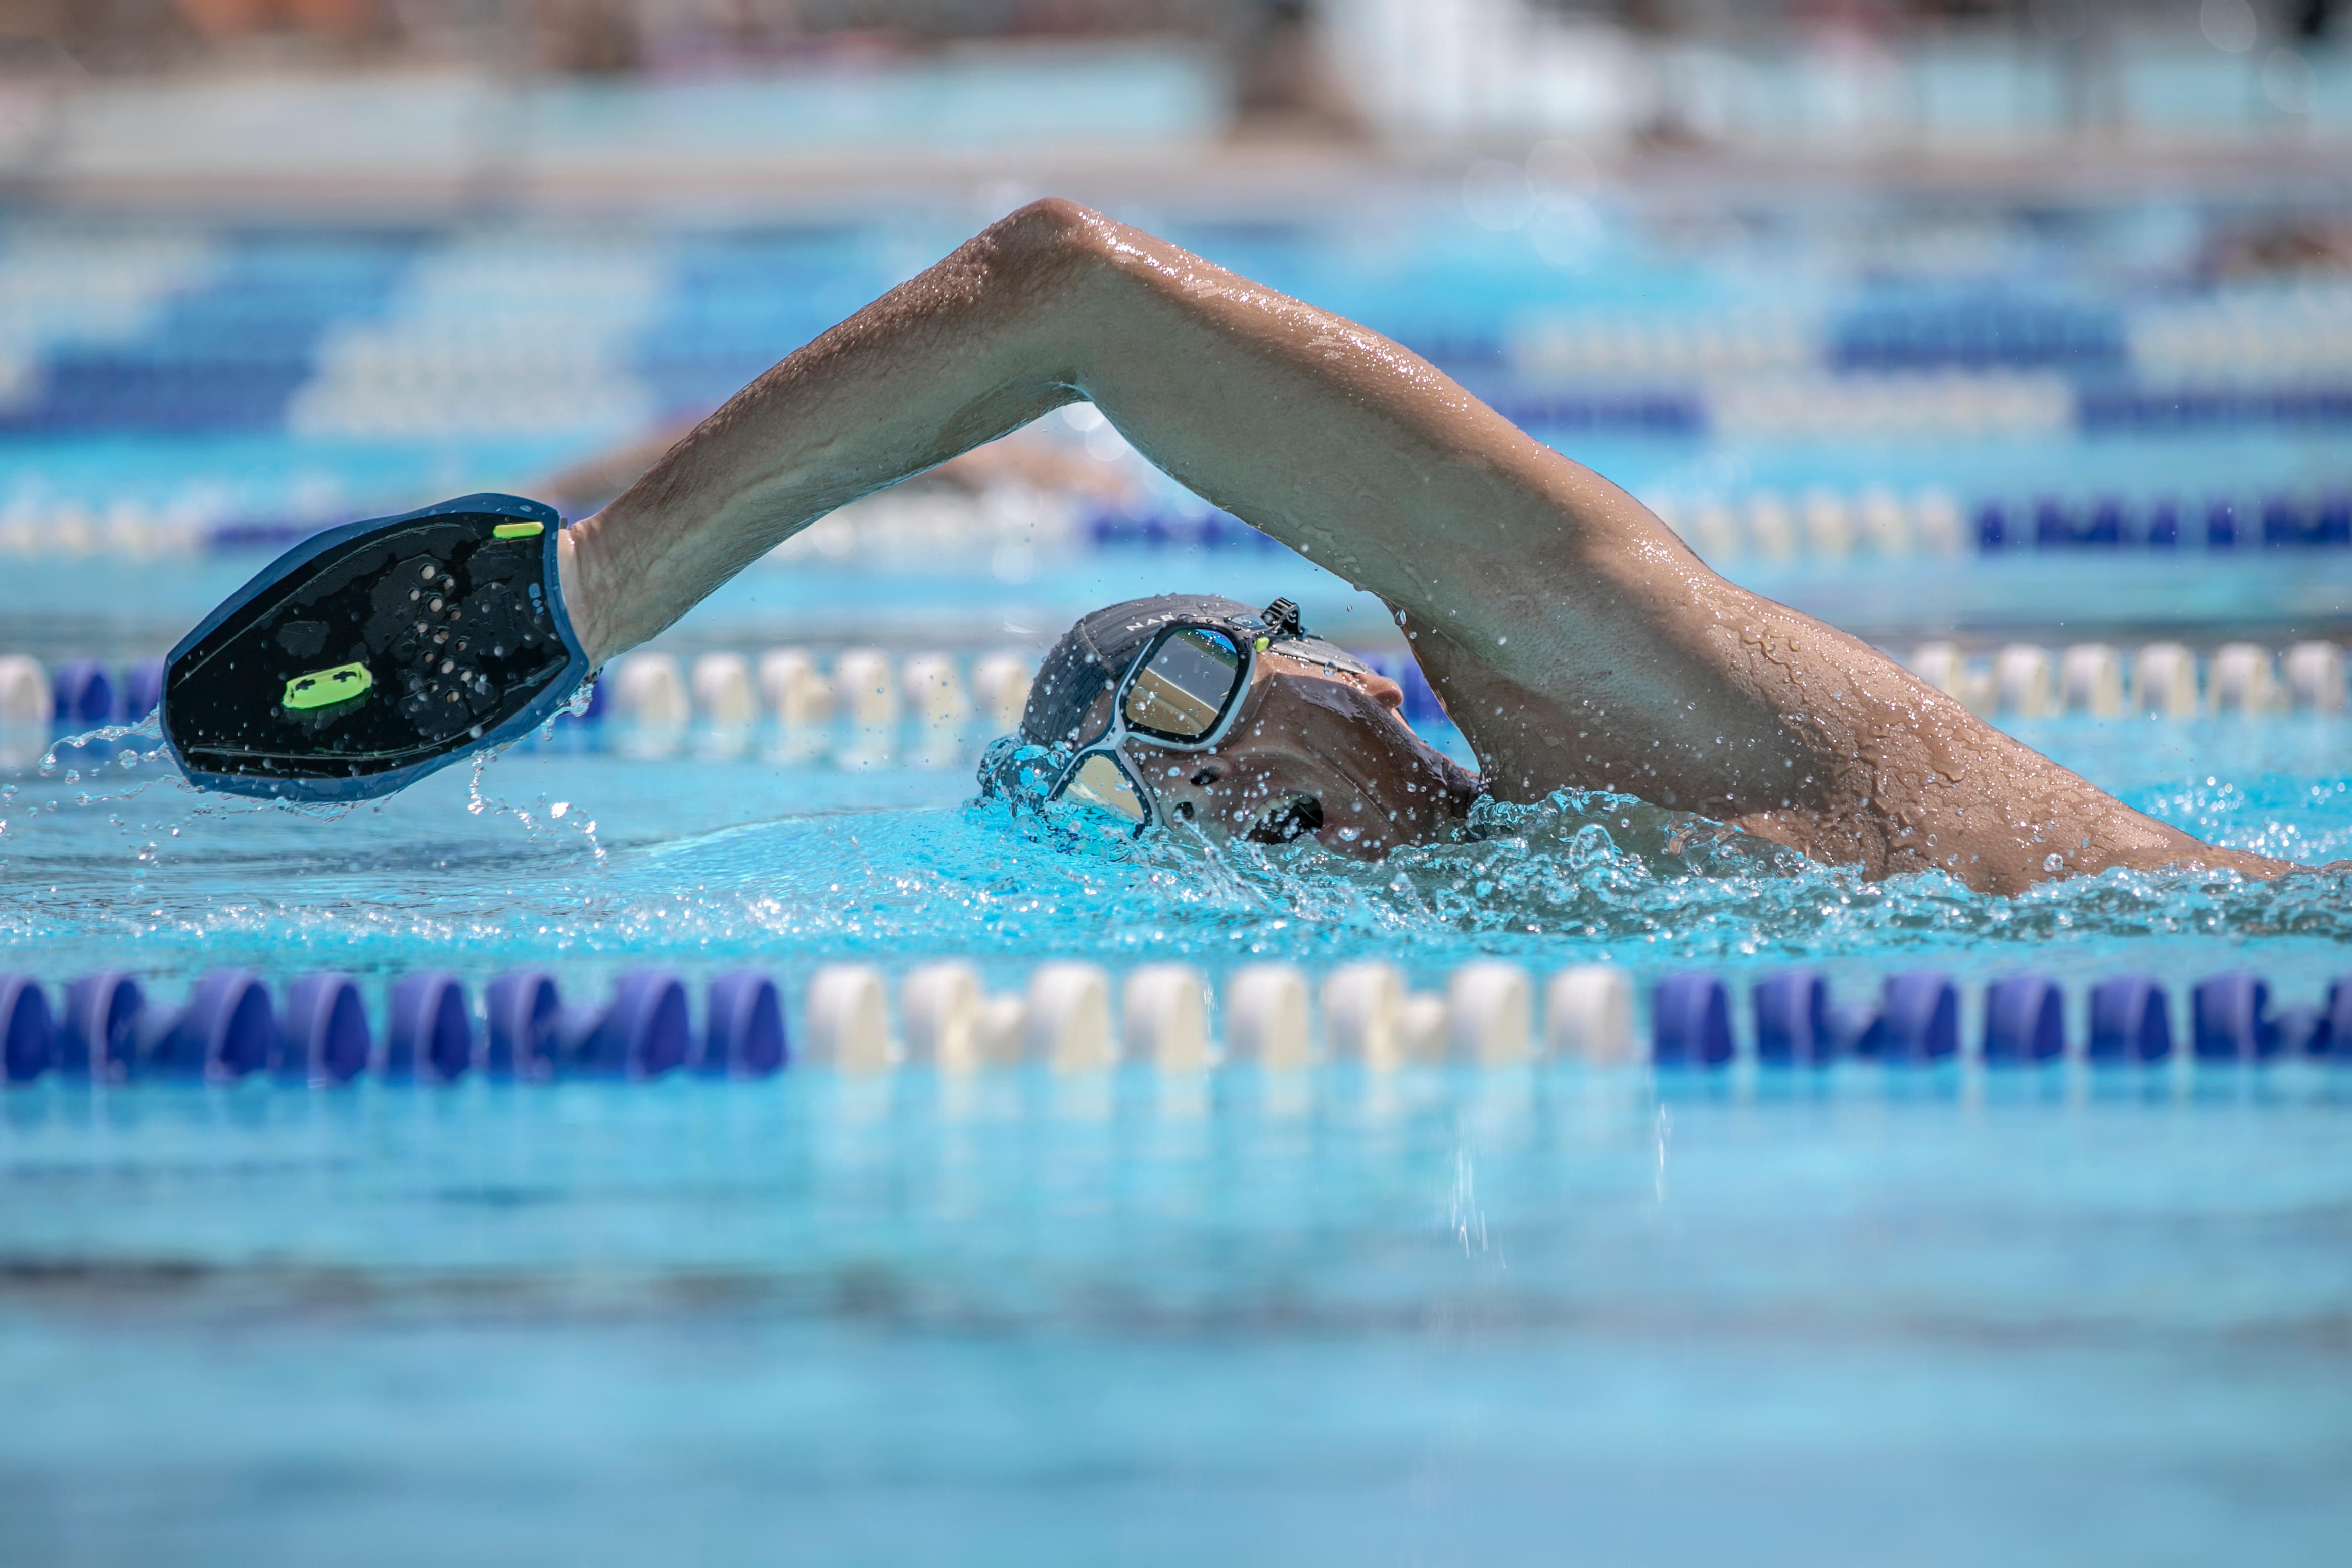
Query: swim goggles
{"x": 1183, "y": 692}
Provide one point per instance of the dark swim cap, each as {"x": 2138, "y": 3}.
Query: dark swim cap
{"x": 1093, "y": 654}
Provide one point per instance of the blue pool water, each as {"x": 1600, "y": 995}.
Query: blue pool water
{"x": 1551, "y": 1314}
{"x": 1487, "y": 1319}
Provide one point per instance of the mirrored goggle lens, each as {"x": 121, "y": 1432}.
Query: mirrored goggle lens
{"x": 1191, "y": 679}
{"x": 1102, "y": 783}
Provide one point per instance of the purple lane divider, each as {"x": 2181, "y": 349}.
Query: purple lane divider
{"x": 1918, "y": 1019}
{"x": 99, "y": 1036}
{"x": 1690, "y": 1022}
{"x": 2231, "y": 1016}
{"x": 1791, "y": 1019}
{"x": 2130, "y": 1020}
{"x": 322, "y": 1037}
{"x": 430, "y": 1034}
{"x": 526, "y": 1011}
{"x": 83, "y": 693}
{"x": 2025, "y": 1021}
{"x": 28, "y": 1034}
{"x": 226, "y": 1030}
{"x": 642, "y": 1033}
{"x": 744, "y": 1028}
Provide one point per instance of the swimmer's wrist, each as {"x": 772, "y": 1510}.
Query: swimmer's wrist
{"x": 582, "y": 604}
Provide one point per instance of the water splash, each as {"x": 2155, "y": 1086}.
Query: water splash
{"x": 741, "y": 862}
{"x": 1663, "y": 1131}
{"x": 1464, "y": 1218}
{"x": 550, "y": 817}
{"x": 149, "y": 728}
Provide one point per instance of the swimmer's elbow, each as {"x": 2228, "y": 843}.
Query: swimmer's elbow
{"x": 1052, "y": 232}
{"x": 1053, "y": 215}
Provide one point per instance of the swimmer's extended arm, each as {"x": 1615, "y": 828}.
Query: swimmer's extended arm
{"x": 1575, "y": 638}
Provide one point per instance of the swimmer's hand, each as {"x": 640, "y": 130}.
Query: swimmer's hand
{"x": 371, "y": 655}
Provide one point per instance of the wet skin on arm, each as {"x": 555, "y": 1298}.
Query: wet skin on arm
{"x": 1575, "y": 640}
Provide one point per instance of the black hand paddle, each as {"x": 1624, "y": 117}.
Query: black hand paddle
{"x": 364, "y": 658}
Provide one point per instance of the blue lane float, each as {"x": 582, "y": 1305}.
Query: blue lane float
{"x": 641, "y": 1033}
{"x": 99, "y": 1036}
{"x": 82, "y": 691}
{"x": 227, "y": 1030}
{"x": 524, "y": 1010}
{"x": 1918, "y": 1019}
{"x": 2164, "y": 523}
{"x": 2231, "y": 1019}
{"x": 322, "y": 1034}
{"x": 1791, "y": 1019}
{"x": 430, "y": 1033}
{"x": 743, "y": 1036}
{"x": 28, "y": 1033}
{"x": 1690, "y": 1022}
{"x": 2025, "y": 1021}
{"x": 2130, "y": 1020}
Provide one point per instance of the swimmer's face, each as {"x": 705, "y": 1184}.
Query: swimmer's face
{"x": 1327, "y": 757}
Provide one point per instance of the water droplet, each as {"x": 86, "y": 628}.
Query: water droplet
{"x": 2053, "y": 862}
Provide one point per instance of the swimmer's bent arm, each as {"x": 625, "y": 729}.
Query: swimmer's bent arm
{"x": 1577, "y": 641}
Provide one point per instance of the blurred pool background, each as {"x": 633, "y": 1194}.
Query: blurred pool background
{"x": 2014, "y": 338}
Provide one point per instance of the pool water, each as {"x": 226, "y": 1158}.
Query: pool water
{"x": 1555, "y": 1313}
{"x": 1461, "y": 1319}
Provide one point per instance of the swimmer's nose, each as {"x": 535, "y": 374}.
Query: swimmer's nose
{"x": 1385, "y": 691}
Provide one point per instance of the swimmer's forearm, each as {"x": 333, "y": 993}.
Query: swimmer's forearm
{"x": 951, "y": 360}
{"x": 1325, "y": 435}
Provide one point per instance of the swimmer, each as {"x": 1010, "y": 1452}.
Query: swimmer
{"x": 1574, "y": 639}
